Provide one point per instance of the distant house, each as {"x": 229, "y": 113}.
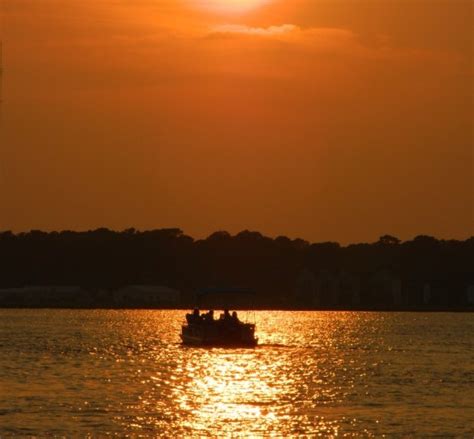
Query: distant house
{"x": 426, "y": 294}
{"x": 385, "y": 288}
{"x": 417, "y": 293}
{"x": 11, "y": 297}
{"x": 315, "y": 290}
{"x": 5, "y": 291}
{"x": 43, "y": 295}
{"x": 470, "y": 295}
{"x": 349, "y": 289}
{"x": 52, "y": 289}
{"x": 146, "y": 295}
{"x": 306, "y": 289}
{"x": 328, "y": 288}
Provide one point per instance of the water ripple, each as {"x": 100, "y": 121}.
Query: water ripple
{"x": 124, "y": 373}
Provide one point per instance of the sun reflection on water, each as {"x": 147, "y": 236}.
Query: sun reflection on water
{"x": 227, "y": 388}
{"x": 315, "y": 374}
{"x": 281, "y": 387}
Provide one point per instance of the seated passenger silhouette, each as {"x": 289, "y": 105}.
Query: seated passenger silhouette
{"x": 194, "y": 317}
{"x": 209, "y": 317}
{"x": 225, "y": 319}
{"x": 235, "y": 319}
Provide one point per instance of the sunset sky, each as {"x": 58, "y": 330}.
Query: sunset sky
{"x": 322, "y": 119}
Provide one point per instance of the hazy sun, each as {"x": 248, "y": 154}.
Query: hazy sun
{"x": 229, "y": 6}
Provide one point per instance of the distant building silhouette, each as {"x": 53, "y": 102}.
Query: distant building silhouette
{"x": 384, "y": 288}
{"x": 426, "y": 294}
{"x": 146, "y": 295}
{"x": 306, "y": 292}
{"x": 470, "y": 295}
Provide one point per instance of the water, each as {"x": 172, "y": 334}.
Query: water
{"x": 65, "y": 372}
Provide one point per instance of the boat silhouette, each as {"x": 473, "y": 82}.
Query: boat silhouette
{"x": 202, "y": 329}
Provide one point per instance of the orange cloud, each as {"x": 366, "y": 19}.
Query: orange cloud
{"x": 260, "y": 31}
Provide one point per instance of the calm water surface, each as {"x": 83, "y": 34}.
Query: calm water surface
{"x": 315, "y": 373}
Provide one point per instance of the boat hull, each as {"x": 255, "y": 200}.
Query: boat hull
{"x": 199, "y": 342}
{"x": 202, "y": 336}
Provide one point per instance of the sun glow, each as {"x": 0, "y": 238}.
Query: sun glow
{"x": 229, "y": 6}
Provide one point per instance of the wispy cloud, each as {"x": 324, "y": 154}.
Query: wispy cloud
{"x": 261, "y": 31}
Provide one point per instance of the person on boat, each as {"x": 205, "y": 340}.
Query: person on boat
{"x": 194, "y": 317}
{"x": 234, "y": 318}
{"x": 225, "y": 320}
{"x": 209, "y": 317}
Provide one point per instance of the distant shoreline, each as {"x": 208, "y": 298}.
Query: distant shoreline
{"x": 163, "y": 269}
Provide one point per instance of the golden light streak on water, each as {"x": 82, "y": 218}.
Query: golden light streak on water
{"x": 315, "y": 374}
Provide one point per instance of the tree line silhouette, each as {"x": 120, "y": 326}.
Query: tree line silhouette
{"x": 106, "y": 260}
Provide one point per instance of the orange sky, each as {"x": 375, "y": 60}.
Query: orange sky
{"x": 323, "y": 119}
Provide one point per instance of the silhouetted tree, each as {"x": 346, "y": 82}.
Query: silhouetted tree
{"x": 388, "y": 240}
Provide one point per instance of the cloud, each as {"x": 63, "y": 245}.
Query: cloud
{"x": 335, "y": 40}
{"x": 259, "y": 31}
{"x": 329, "y": 44}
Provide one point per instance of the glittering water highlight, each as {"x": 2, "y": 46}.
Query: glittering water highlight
{"x": 314, "y": 373}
